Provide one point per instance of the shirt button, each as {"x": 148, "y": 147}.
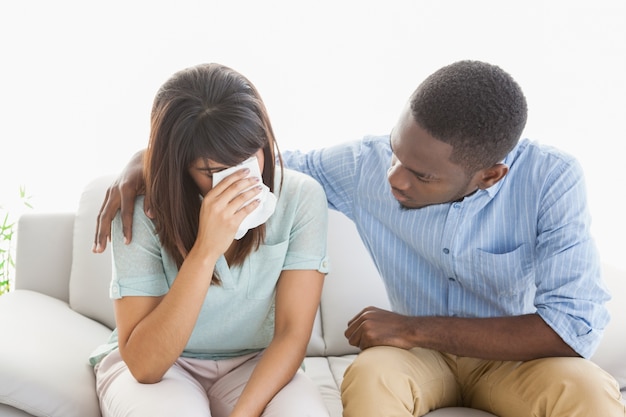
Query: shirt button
{"x": 324, "y": 264}
{"x": 456, "y": 205}
{"x": 446, "y": 251}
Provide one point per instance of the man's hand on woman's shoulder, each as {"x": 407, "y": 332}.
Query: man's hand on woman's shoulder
{"x": 120, "y": 196}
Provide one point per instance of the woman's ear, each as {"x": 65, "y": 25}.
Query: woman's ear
{"x": 490, "y": 176}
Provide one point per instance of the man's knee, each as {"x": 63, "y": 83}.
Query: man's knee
{"x": 375, "y": 365}
{"x": 579, "y": 381}
{"x": 375, "y": 383}
{"x": 557, "y": 387}
{"x": 405, "y": 381}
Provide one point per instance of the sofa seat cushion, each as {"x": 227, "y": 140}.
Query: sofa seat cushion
{"x": 40, "y": 380}
{"x": 318, "y": 369}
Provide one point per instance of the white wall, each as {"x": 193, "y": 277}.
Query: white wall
{"x": 77, "y": 77}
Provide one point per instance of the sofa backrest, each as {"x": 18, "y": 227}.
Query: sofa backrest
{"x": 91, "y": 273}
{"x": 611, "y": 353}
{"x": 44, "y": 253}
{"x": 352, "y": 284}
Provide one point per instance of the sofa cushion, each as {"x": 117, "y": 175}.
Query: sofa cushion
{"x": 40, "y": 376}
{"x": 352, "y": 284}
{"x": 318, "y": 369}
{"x": 7, "y": 411}
{"x": 611, "y": 353}
{"x": 338, "y": 366}
{"x": 91, "y": 273}
{"x": 44, "y": 249}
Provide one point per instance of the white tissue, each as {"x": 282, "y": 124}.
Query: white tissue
{"x": 267, "y": 199}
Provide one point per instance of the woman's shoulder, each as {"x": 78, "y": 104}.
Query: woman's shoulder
{"x": 139, "y": 214}
{"x": 144, "y": 232}
{"x": 301, "y": 200}
{"x": 294, "y": 181}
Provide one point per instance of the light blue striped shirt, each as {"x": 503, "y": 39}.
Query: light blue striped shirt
{"x": 522, "y": 246}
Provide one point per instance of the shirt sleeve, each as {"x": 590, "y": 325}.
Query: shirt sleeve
{"x": 307, "y": 237}
{"x": 335, "y": 168}
{"x": 570, "y": 294}
{"x": 137, "y": 267}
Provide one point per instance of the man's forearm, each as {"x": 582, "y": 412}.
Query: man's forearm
{"x": 501, "y": 338}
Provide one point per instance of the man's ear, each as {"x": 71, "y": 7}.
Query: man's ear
{"x": 489, "y": 176}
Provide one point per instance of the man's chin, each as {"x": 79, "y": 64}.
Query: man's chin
{"x": 406, "y": 207}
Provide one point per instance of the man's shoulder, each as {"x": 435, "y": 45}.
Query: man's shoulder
{"x": 540, "y": 152}
{"x": 368, "y": 143}
{"x": 378, "y": 143}
{"x": 538, "y": 159}
{"x": 536, "y": 169}
{"x": 370, "y": 151}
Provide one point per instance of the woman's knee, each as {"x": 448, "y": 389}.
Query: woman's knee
{"x": 120, "y": 395}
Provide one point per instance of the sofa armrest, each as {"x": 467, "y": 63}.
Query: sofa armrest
{"x": 43, "y": 257}
{"x": 611, "y": 353}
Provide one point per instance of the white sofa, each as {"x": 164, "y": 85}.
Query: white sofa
{"x": 60, "y": 311}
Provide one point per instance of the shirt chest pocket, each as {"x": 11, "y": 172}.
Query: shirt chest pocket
{"x": 503, "y": 274}
{"x": 265, "y": 266}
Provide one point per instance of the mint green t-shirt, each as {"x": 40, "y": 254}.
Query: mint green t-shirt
{"x": 237, "y": 316}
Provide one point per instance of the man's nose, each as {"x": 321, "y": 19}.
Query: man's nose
{"x": 398, "y": 177}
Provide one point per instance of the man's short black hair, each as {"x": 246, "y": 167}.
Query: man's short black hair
{"x": 474, "y": 106}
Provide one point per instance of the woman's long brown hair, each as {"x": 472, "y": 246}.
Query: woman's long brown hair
{"x": 206, "y": 111}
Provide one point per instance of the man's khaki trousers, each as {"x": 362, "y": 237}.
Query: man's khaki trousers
{"x": 391, "y": 382}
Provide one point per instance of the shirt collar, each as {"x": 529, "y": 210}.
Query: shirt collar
{"x": 509, "y": 160}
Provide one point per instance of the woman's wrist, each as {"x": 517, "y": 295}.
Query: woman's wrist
{"x": 202, "y": 259}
